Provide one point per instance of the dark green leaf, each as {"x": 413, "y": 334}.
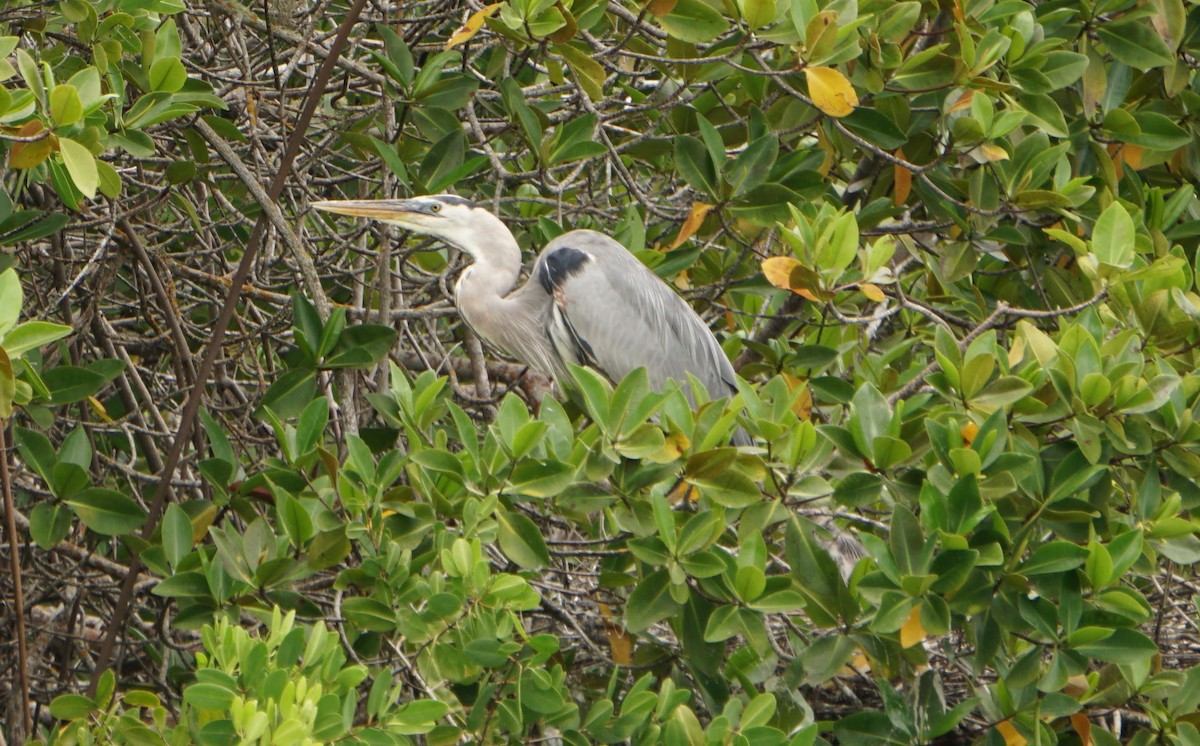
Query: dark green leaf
{"x": 107, "y": 511}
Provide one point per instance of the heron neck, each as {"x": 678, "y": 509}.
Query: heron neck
{"x": 505, "y": 316}
{"x": 496, "y": 272}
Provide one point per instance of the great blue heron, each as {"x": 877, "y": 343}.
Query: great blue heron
{"x": 588, "y": 301}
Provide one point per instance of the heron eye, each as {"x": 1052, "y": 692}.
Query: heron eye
{"x": 435, "y": 207}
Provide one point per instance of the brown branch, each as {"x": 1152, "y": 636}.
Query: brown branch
{"x": 192, "y": 407}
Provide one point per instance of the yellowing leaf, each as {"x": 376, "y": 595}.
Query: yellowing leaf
{"x": 676, "y": 444}
{"x": 913, "y": 632}
{"x": 803, "y": 405}
{"x": 692, "y": 224}
{"x": 569, "y": 29}
{"x": 588, "y": 73}
{"x": 619, "y": 641}
{"x": 963, "y": 102}
{"x": 1010, "y": 734}
{"x": 968, "y": 433}
{"x": 902, "y": 178}
{"x": 1016, "y": 353}
{"x": 778, "y": 271}
{"x": 29, "y": 154}
{"x": 993, "y": 152}
{"x": 1083, "y": 727}
{"x": 98, "y": 409}
{"x": 472, "y": 26}
{"x": 830, "y": 91}
{"x": 659, "y": 8}
{"x": 872, "y": 291}
{"x": 1132, "y": 155}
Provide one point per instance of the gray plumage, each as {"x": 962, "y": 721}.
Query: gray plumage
{"x": 587, "y": 301}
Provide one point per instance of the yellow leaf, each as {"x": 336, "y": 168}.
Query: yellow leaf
{"x": 98, "y": 408}
{"x": 778, "y": 270}
{"x": 1083, "y": 727}
{"x": 913, "y": 632}
{"x": 903, "y": 181}
{"x": 683, "y": 493}
{"x": 1132, "y": 155}
{"x": 993, "y": 152}
{"x": 968, "y": 433}
{"x": 619, "y": 641}
{"x": 871, "y": 291}
{"x": 803, "y": 405}
{"x": 1010, "y": 734}
{"x": 659, "y": 8}
{"x": 860, "y": 666}
{"x": 31, "y": 153}
{"x": 472, "y": 26}
{"x": 569, "y": 30}
{"x": 963, "y": 102}
{"x": 678, "y": 443}
{"x": 692, "y": 224}
{"x": 1016, "y": 353}
{"x": 830, "y": 91}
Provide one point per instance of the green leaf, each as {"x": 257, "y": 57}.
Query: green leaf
{"x": 694, "y": 21}
{"x": 167, "y": 74}
{"x": 69, "y": 384}
{"x": 422, "y": 711}
{"x": 369, "y": 613}
{"x": 107, "y": 511}
{"x": 311, "y": 425}
{"x": 296, "y": 521}
{"x": 37, "y": 452}
{"x": 1002, "y": 392}
{"x": 588, "y": 72}
{"x": 875, "y": 127}
{"x": 72, "y": 706}
{"x": 291, "y": 392}
{"x": 65, "y": 107}
{"x": 362, "y": 346}
{"x": 1135, "y": 44}
{"x": 184, "y": 585}
{"x": 177, "y": 534}
{"x": 208, "y": 697}
{"x": 650, "y": 602}
{"x": 439, "y": 164}
{"x": 33, "y": 335}
{"x": 11, "y": 300}
{"x": 49, "y": 524}
{"x": 1054, "y": 557}
{"x": 81, "y": 165}
{"x": 28, "y": 225}
{"x": 542, "y": 479}
{"x": 521, "y": 540}
{"x": 752, "y": 166}
{"x": 692, "y": 161}
{"x": 732, "y": 489}
{"x": 1113, "y": 237}
{"x": 1124, "y": 646}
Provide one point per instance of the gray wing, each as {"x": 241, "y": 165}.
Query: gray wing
{"x": 612, "y": 313}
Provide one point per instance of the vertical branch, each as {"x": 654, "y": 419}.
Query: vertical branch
{"x": 14, "y": 546}
{"x": 191, "y": 408}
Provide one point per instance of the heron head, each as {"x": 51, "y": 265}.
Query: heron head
{"x": 457, "y": 221}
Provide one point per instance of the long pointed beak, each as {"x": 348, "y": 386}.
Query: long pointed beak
{"x": 377, "y": 209}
